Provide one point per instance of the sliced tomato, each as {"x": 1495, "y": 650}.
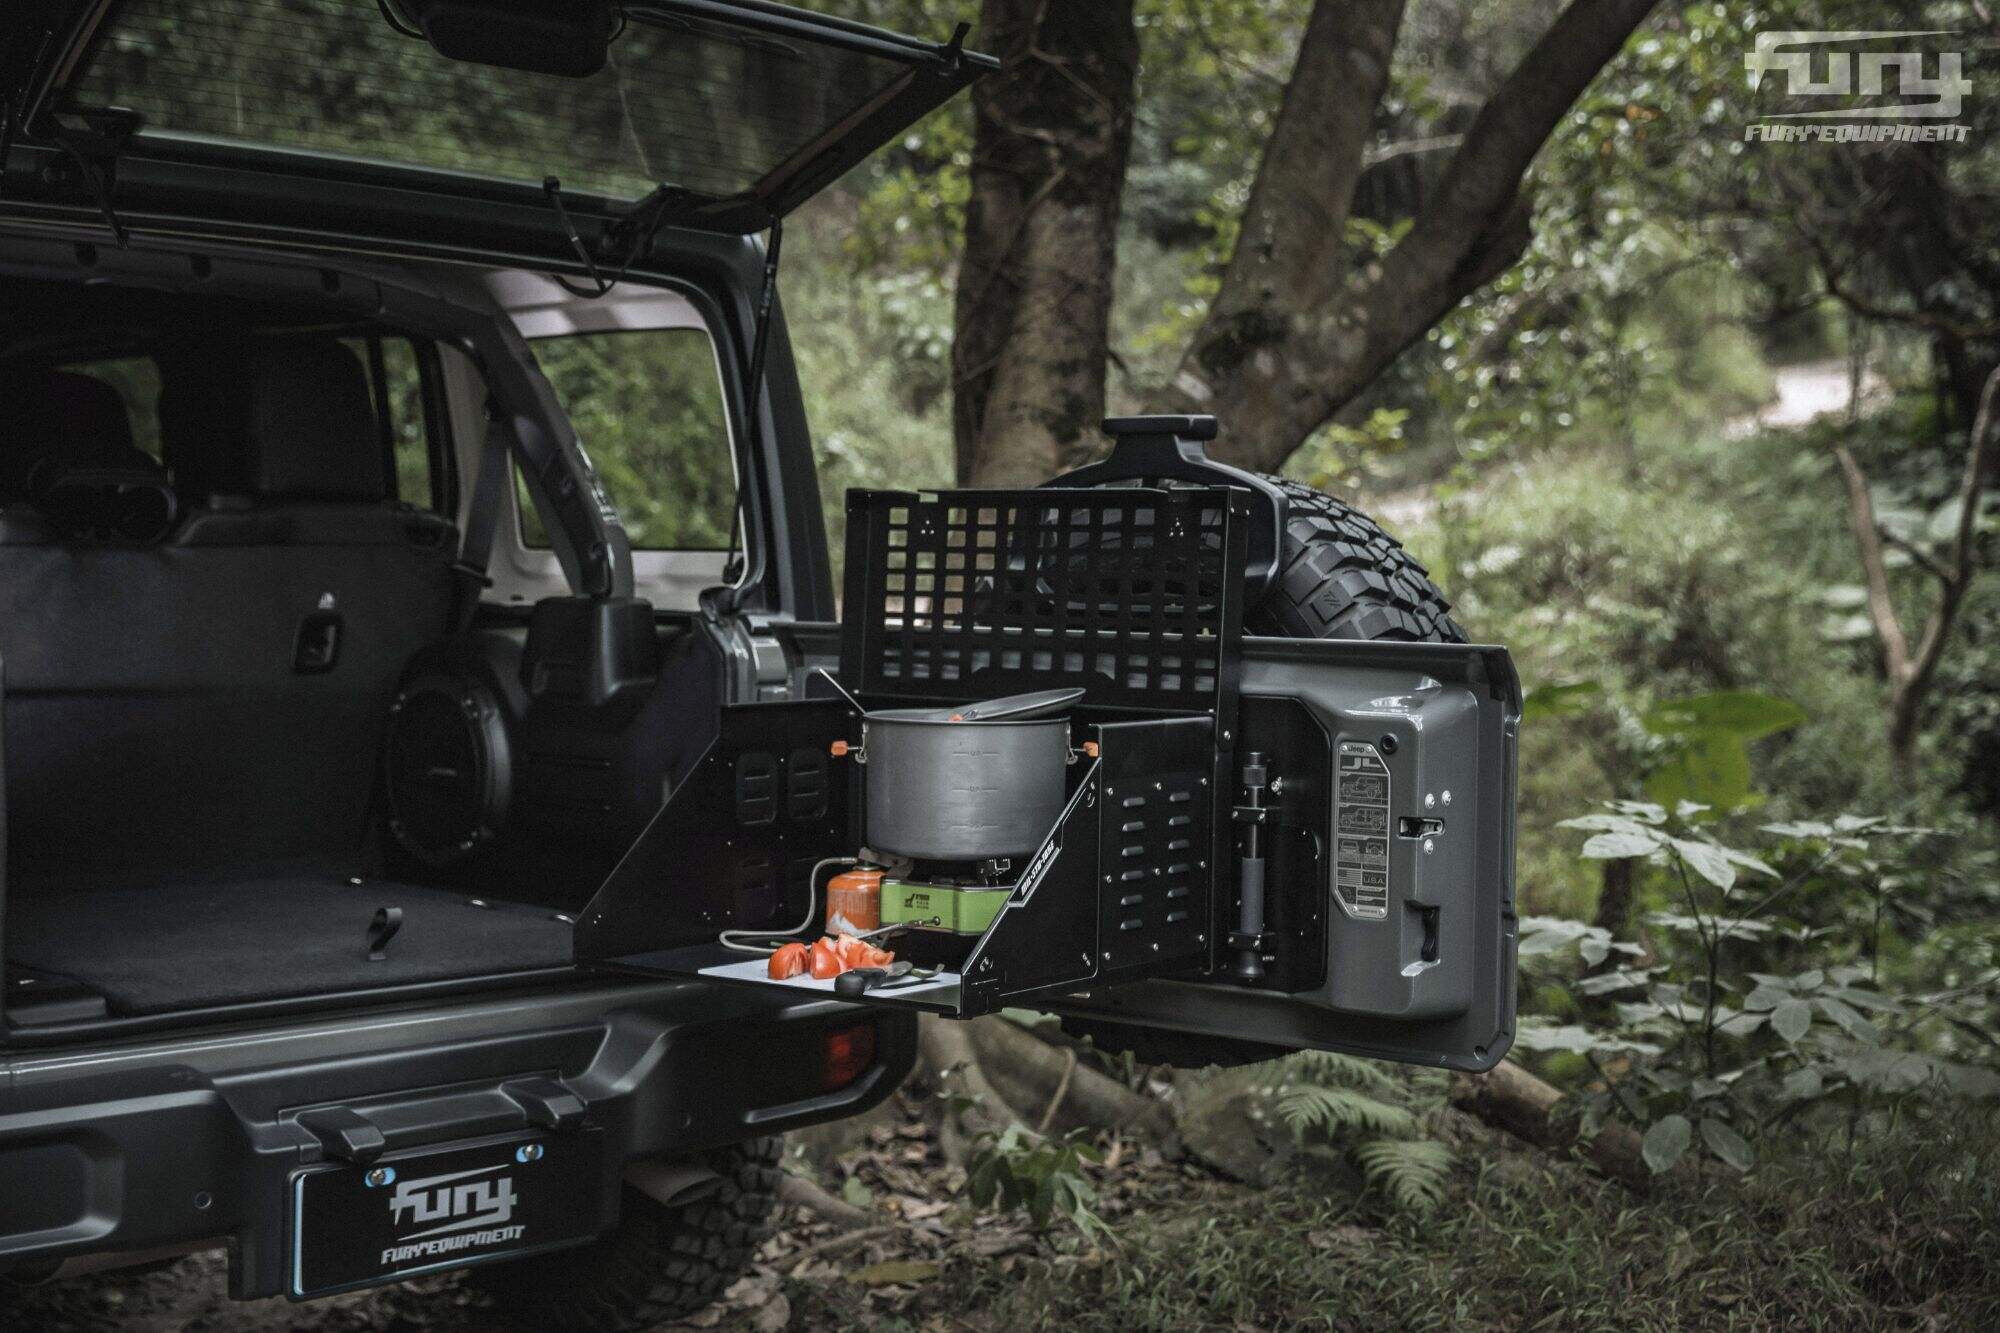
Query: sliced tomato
{"x": 877, "y": 957}
{"x": 788, "y": 961}
{"x": 825, "y": 961}
{"x": 852, "y": 951}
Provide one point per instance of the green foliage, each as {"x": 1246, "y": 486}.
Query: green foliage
{"x": 1891, "y": 1230}
{"x": 1749, "y": 1020}
{"x": 1376, "y": 1117}
{"x": 1706, "y": 758}
{"x": 1040, "y": 1175}
{"x": 1412, "y": 1172}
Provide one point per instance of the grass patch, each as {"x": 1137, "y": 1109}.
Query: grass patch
{"x": 1890, "y": 1235}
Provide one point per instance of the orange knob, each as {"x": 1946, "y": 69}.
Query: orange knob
{"x": 1090, "y": 748}
{"x": 839, "y": 749}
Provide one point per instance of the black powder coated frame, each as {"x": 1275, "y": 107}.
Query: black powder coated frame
{"x": 1134, "y": 595}
{"x": 733, "y": 847}
{"x": 1120, "y": 889}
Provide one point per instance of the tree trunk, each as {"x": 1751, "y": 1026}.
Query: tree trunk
{"x": 1614, "y": 907}
{"x": 1302, "y": 323}
{"x": 1051, "y": 135}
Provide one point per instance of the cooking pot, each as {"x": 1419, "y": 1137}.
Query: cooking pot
{"x": 972, "y": 783}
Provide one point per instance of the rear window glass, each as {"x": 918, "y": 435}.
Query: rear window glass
{"x": 705, "y": 106}
{"x": 647, "y": 406}
{"x": 396, "y": 391}
{"x": 137, "y": 380}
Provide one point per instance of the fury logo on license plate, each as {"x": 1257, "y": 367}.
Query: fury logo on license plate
{"x": 471, "y": 1208}
{"x": 413, "y": 1213}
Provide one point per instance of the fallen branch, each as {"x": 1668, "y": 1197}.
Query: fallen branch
{"x": 803, "y": 1193}
{"x": 1509, "y": 1097}
{"x": 834, "y": 1244}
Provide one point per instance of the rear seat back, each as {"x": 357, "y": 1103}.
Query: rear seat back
{"x": 68, "y": 466}
{"x": 217, "y": 701}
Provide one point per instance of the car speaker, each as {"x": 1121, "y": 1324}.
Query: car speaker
{"x": 448, "y": 771}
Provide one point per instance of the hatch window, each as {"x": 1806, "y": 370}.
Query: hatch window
{"x": 708, "y": 105}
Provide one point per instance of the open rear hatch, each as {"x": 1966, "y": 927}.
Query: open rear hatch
{"x": 686, "y": 113}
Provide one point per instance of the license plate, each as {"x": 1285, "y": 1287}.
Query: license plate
{"x": 421, "y": 1211}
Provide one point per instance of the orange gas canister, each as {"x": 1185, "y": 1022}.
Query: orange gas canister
{"x": 854, "y": 902}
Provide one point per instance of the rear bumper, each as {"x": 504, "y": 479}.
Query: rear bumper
{"x": 187, "y": 1141}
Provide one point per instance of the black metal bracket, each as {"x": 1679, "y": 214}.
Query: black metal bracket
{"x": 344, "y": 1133}
{"x": 93, "y": 147}
{"x": 388, "y": 920}
{"x": 1170, "y": 449}
{"x": 547, "y": 1103}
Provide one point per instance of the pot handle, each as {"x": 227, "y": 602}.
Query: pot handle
{"x": 1087, "y": 750}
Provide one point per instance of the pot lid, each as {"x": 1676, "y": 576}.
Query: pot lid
{"x": 1012, "y": 708}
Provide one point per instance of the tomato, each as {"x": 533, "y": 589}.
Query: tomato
{"x": 788, "y": 961}
{"x": 825, "y": 962}
{"x": 877, "y": 957}
{"x": 851, "y": 951}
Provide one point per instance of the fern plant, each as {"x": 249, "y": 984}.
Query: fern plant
{"x": 1377, "y": 1118}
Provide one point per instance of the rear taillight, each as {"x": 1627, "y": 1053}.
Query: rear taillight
{"x": 846, "y": 1054}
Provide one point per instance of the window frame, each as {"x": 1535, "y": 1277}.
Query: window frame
{"x": 538, "y": 307}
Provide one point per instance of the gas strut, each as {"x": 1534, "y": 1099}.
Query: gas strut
{"x": 1248, "y": 937}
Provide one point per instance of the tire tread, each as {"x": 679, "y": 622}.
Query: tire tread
{"x": 660, "y": 1264}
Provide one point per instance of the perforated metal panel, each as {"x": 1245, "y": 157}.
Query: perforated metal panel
{"x": 1132, "y": 594}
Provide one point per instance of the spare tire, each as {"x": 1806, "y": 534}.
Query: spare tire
{"x": 1340, "y": 576}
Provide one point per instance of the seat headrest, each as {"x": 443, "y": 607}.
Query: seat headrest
{"x": 55, "y": 417}
{"x": 68, "y": 452}
{"x": 274, "y": 419}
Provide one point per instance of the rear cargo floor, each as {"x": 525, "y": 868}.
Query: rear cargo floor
{"x": 158, "y": 948}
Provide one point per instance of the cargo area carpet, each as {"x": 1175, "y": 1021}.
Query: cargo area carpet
{"x": 195, "y": 944}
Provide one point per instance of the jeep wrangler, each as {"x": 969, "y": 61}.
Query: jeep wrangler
{"x": 391, "y": 785}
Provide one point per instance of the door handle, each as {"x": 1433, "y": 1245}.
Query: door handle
{"x": 317, "y": 647}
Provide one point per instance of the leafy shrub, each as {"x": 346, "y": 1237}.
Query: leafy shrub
{"x": 1758, "y": 1013}
{"x": 1039, "y": 1174}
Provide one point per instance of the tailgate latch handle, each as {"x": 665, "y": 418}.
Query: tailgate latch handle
{"x": 547, "y": 1103}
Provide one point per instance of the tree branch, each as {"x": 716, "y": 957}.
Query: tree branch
{"x": 1294, "y": 225}
{"x": 1868, "y": 544}
{"x": 1485, "y": 174}
{"x": 1910, "y": 670}
{"x": 1979, "y": 464}
{"x": 1923, "y": 559}
{"x": 1298, "y": 330}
